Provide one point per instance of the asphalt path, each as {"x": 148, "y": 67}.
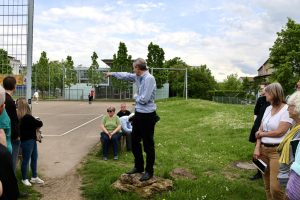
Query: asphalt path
{"x": 70, "y": 130}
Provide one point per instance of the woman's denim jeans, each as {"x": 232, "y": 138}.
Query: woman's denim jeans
{"x": 29, "y": 152}
{"x": 115, "y": 140}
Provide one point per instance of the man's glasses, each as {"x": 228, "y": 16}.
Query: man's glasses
{"x": 110, "y": 111}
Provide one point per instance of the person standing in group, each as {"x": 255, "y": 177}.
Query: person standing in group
{"x": 28, "y": 127}
{"x": 145, "y": 117}
{"x": 285, "y": 148}
{"x": 9, "y": 84}
{"x": 259, "y": 110}
{"x": 5, "y": 120}
{"x": 123, "y": 111}
{"x": 275, "y": 124}
{"x": 8, "y": 181}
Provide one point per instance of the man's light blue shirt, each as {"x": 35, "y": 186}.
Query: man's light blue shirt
{"x": 125, "y": 124}
{"x": 146, "y": 89}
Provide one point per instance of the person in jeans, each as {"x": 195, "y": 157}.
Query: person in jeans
{"x": 28, "y": 127}
{"x": 110, "y": 127}
{"x": 9, "y": 84}
{"x": 259, "y": 110}
{"x": 275, "y": 125}
{"x": 145, "y": 117}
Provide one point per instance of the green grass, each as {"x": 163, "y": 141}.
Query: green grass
{"x": 204, "y": 137}
{"x": 32, "y": 193}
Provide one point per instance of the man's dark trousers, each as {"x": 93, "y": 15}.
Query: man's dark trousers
{"x": 143, "y": 130}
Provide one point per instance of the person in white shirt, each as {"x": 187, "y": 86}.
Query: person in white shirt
{"x": 36, "y": 96}
{"x": 126, "y": 128}
{"x": 275, "y": 125}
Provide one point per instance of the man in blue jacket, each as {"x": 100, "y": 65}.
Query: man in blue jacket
{"x": 145, "y": 117}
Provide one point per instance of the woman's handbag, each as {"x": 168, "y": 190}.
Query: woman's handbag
{"x": 39, "y": 135}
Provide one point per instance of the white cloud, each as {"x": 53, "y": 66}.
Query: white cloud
{"x": 239, "y": 42}
{"x": 147, "y": 6}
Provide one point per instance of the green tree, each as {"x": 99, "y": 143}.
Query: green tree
{"x": 200, "y": 82}
{"x": 232, "y": 83}
{"x": 176, "y": 77}
{"x": 155, "y": 59}
{"x": 56, "y": 74}
{"x": 93, "y": 72}
{"x": 41, "y": 72}
{"x": 70, "y": 72}
{"x": 285, "y": 56}
{"x": 5, "y": 67}
{"x": 122, "y": 62}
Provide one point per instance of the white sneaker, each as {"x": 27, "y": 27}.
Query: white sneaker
{"x": 26, "y": 182}
{"x": 37, "y": 180}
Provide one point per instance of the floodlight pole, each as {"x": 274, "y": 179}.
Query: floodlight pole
{"x": 29, "y": 49}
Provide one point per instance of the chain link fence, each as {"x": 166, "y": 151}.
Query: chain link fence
{"x": 232, "y": 100}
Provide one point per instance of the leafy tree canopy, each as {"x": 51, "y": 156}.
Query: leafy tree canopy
{"x": 41, "y": 72}
{"x": 285, "y": 56}
{"x": 5, "y": 67}
{"x": 231, "y": 83}
{"x": 155, "y": 59}
{"x": 122, "y": 62}
{"x": 93, "y": 73}
{"x": 70, "y": 72}
{"x": 200, "y": 82}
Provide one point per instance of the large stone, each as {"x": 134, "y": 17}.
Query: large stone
{"x": 131, "y": 183}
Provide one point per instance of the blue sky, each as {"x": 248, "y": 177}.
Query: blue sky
{"x": 228, "y": 36}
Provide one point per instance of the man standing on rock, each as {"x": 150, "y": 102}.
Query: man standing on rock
{"x": 145, "y": 117}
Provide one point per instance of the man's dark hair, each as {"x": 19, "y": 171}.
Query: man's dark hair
{"x": 9, "y": 83}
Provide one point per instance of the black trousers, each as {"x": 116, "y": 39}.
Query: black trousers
{"x": 143, "y": 130}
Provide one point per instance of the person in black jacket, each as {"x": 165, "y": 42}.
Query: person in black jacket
{"x": 123, "y": 111}
{"x": 28, "y": 127}
{"x": 10, "y": 189}
{"x": 259, "y": 110}
{"x": 9, "y": 84}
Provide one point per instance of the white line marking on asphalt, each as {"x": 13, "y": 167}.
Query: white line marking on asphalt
{"x": 73, "y": 128}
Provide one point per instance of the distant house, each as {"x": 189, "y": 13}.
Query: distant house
{"x": 265, "y": 71}
{"x": 109, "y": 62}
{"x": 82, "y": 73}
{"x": 15, "y": 65}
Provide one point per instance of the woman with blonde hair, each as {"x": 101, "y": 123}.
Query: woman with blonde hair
{"x": 28, "y": 127}
{"x": 274, "y": 126}
{"x": 110, "y": 127}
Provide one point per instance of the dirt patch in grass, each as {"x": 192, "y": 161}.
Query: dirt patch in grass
{"x": 67, "y": 187}
{"x": 182, "y": 173}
